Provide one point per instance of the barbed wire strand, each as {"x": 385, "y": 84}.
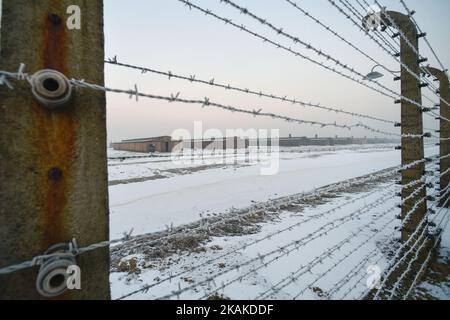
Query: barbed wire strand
{"x": 399, "y": 253}
{"x": 370, "y": 178}
{"x": 366, "y": 32}
{"x": 319, "y": 52}
{"x": 261, "y": 257}
{"x": 247, "y": 245}
{"x": 294, "y": 276}
{"x": 414, "y": 49}
{"x": 349, "y": 6}
{"x": 206, "y": 102}
{"x": 212, "y": 82}
{"x": 427, "y": 260}
{"x": 411, "y": 14}
{"x": 413, "y": 194}
{"x": 295, "y": 244}
{"x": 393, "y": 95}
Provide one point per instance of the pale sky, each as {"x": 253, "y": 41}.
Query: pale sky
{"x": 166, "y": 35}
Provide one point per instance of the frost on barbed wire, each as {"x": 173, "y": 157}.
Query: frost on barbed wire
{"x": 411, "y": 14}
{"x": 352, "y": 273}
{"x": 427, "y": 260}
{"x": 370, "y": 8}
{"x": 274, "y": 206}
{"x": 415, "y": 103}
{"x": 392, "y": 94}
{"x": 294, "y": 246}
{"x": 206, "y": 102}
{"x": 348, "y": 254}
{"x": 260, "y": 257}
{"x": 324, "y": 190}
{"x": 296, "y": 40}
{"x": 415, "y": 50}
{"x": 352, "y": 9}
{"x": 193, "y": 78}
{"x": 294, "y": 276}
{"x": 397, "y": 260}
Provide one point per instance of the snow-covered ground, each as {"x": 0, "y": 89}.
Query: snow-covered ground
{"x": 255, "y": 284}
{"x": 333, "y": 265}
{"x": 151, "y": 205}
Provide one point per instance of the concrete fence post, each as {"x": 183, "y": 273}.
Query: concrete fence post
{"x": 53, "y": 164}
{"x": 444, "y": 130}
{"x": 413, "y": 210}
{"x": 411, "y": 121}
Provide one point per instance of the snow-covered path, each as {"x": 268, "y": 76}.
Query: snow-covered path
{"x": 153, "y": 205}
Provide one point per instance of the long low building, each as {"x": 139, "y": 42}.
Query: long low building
{"x": 165, "y": 144}
{"x": 146, "y": 145}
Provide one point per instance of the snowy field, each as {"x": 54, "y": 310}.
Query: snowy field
{"x": 303, "y": 249}
{"x": 151, "y": 205}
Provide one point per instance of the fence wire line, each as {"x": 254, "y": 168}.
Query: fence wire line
{"x": 319, "y": 52}
{"x": 386, "y": 39}
{"x": 295, "y": 276}
{"x": 339, "y": 36}
{"x": 134, "y": 93}
{"x": 146, "y": 288}
{"x": 408, "y": 268}
{"x": 360, "y": 16}
{"x": 393, "y": 95}
{"x": 399, "y": 253}
{"x": 410, "y": 13}
{"x": 283, "y": 201}
{"x": 337, "y": 287}
{"x": 37, "y": 259}
{"x": 417, "y": 76}
{"x": 415, "y": 103}
{"x": 340, "y": 261}
{"x": 411, "y": 262}
{"x": 396, "y": 261}
{"x": 414, "y": 49}
{"x": 282, "y": 251}
{"x": 247, "y": 245}
{"x": 206, "y": 102}
{"x": 212, "y": 82}
{"x": 348, "y": 6}
{"x": 265, "y": 264}
{"x": 361, "y": 278}
{"x": 427, "y": 260}
{"x": 351, "y": 8}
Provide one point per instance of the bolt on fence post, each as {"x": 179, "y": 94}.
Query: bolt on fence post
{"x": 53, "y": 164}
{"x": 444, "y": 130}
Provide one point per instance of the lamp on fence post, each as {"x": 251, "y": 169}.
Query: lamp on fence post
{"x": 372, "y": 75}
{"x": 444, "y": 129}
{"x": 411, "y": 115}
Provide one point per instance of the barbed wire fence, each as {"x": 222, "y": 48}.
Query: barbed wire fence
{"x": 410, "y": 258}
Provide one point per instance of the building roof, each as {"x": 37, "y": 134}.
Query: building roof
{"x": 148, "y": 139}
